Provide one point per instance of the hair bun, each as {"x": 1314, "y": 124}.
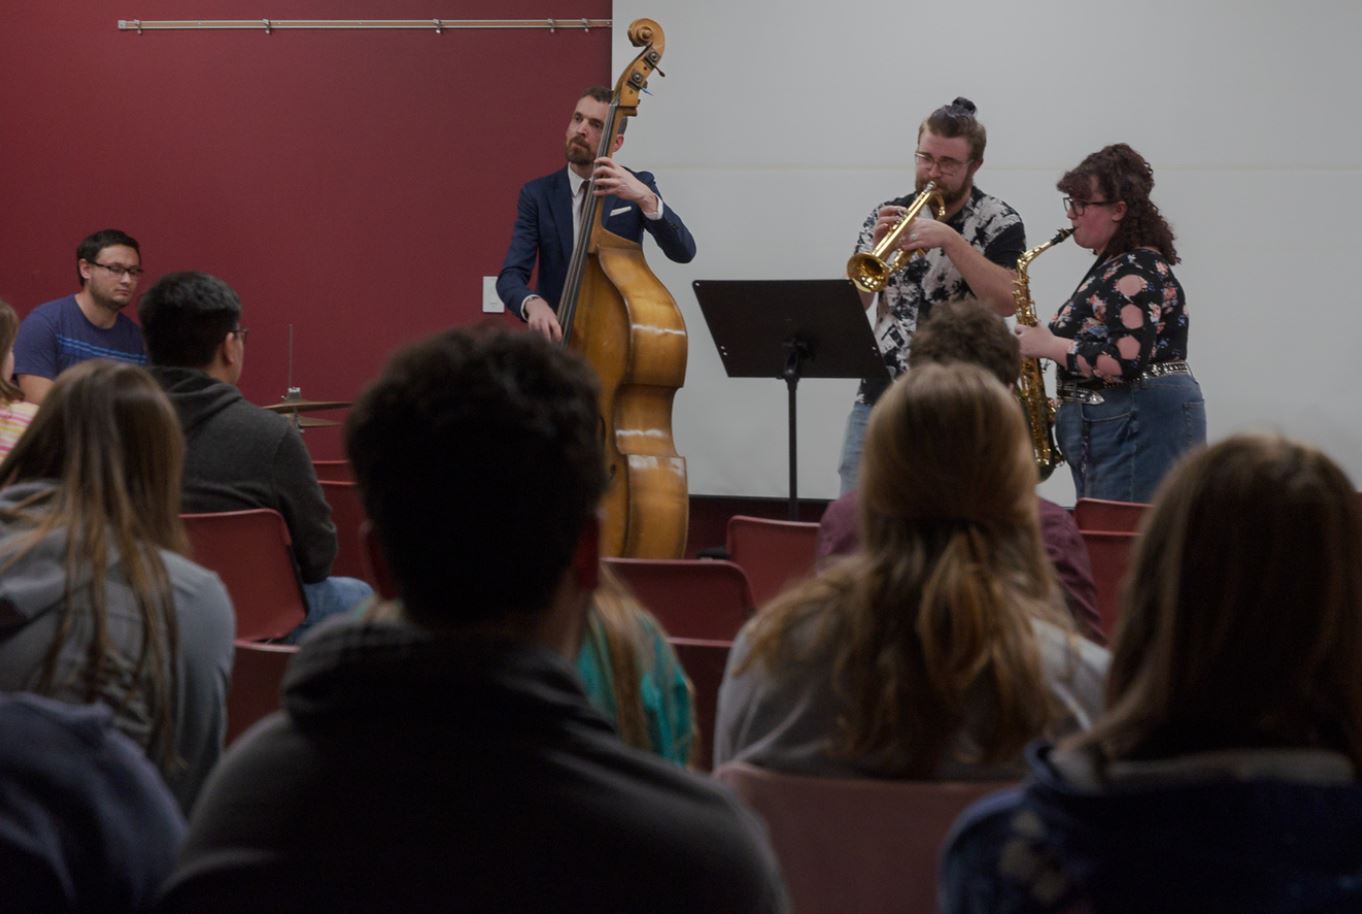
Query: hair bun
{"x": 965, "y": 105}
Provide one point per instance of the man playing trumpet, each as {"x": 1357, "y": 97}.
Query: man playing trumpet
{"x": 970, "y": 252}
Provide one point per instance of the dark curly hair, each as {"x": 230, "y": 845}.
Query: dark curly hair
{"x": 479, "y": 461}
{"x": 1122, "y": 173}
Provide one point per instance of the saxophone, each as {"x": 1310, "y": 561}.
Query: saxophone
{"x": 1039, "y": 409}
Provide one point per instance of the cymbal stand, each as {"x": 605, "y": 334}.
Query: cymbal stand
{"x": 291, "y": 392}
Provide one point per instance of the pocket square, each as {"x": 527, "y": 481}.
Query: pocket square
{"x": 620, "y": 209}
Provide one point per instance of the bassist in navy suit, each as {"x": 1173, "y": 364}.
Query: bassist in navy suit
{"x": 549, "y": 209}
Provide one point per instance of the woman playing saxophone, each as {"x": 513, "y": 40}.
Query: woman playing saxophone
{"x": 1129, "y": 405}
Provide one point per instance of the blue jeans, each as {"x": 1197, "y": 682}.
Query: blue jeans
{"x": 853, "y": 444}
{"x": 1121, "y": 448}
{"x": 329, "y": 597}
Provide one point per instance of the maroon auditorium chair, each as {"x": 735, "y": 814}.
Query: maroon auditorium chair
{"x": 1109, "y": 552}
{"x": 251, "y": 551}
{"x": 704, "y": 662}
{"x": 347, "y": 513}
{"x": 773, "y": 553}
{"x": 855, "y": 845}
{"x": 692, "y": 598}
{"x": 257, "y": 681}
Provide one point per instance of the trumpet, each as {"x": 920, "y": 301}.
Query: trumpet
{"x": 869, "y": 270}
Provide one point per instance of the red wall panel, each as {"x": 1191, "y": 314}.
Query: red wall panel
{"x": 353, "y": 184}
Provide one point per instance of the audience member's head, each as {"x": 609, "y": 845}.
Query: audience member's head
{"x": 108, "y": 435}
{"x": 9, "y": 329}
{"x": 947, "y": 448}
{"x": 1242, "y": 623}
{"x": 967, "y": 331}
{"x": 479, "y": 459}
{"x": 92, "y": 246}
{"x": 187, "y": 320}
{"x": 940, "y": 601}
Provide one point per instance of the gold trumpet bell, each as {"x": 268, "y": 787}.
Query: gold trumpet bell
{"x": 870, "y": 274}
{"x": 870, "y": 270}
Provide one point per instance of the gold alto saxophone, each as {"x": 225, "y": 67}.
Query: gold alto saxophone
{"x": 1039, "y": 408}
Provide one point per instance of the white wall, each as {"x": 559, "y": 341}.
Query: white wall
{"x": 780, "y": 125}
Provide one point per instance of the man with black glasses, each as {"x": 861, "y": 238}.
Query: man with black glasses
{"x": 87, "y": 325}
{"x": 969, "y": 253}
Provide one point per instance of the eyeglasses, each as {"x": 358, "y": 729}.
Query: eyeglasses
{"x": 118, "y": 270}
{"x": 947, "y": 166}
{"x": 241, "y": 333}
{"x": 1079, "y": 206}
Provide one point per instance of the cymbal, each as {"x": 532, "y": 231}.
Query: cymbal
{"x": 309, "y": 422}
{"x": 305, "y": 406}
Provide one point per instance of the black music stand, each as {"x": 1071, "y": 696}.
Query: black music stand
{"x": 790, "y": 329}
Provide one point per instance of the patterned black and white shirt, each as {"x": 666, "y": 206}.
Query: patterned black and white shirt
{"x": 988, "y": 224}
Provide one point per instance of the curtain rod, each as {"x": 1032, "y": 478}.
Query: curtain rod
{"x": 437, "y": 25}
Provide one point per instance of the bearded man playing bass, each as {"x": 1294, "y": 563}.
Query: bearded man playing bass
{"x": 548, "y": 217}
{"x": 969, "y": 253}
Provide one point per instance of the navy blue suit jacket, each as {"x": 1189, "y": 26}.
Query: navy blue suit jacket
{"x": 543, "y": 230}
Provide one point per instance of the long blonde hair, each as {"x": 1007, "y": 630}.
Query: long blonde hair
{"x": 937, "y": 608}
{"x": 111, "y": 439}
{"x": 1242, "y": 619}
{"x": 616, "y": 610}
{"x": 629, "y": 650}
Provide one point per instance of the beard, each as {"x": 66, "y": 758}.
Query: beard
{"x": 949, "y": 195}
{"x": 578, "y": 153}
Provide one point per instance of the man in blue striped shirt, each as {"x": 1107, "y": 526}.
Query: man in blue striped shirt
{"x": 87, "y": 325}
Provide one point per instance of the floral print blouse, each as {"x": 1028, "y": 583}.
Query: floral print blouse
{"x": 1127, "y": 314}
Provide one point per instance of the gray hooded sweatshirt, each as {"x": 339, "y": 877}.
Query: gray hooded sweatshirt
{"x": 239, "y": 456}
{"x": 33, "y": 602}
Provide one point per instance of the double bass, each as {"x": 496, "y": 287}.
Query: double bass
{"x": 624, "y": 321}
